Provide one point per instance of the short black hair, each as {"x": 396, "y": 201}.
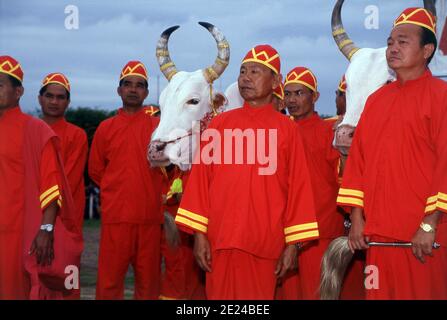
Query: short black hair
{"x": 44, "y": 89}
{"x": 146, "y": 84}
{"x": 14, "y": 81}
{"x": 428, "y": 37}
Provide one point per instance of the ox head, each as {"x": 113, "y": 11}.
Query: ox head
{"x": 187, "y": 99}
{"x": 367, "y": 71}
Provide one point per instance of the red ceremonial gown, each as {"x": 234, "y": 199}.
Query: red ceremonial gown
{"x": 33, "y": 178}
{"x": 322, "y": 160}
{"x": 74, "y": 154}
{"x": 396, "y": 172}
{"x": 247, "y": 216}
{"x": 131, "y": 213}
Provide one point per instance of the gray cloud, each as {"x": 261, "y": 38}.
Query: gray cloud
{"x": 110, "y": 34}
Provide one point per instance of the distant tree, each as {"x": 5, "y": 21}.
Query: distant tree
{"x": 88, "y": 118}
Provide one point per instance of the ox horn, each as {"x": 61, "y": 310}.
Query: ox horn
{"x": 162, "y": 52}
{"x": 344, "y": 43}
{"x": 430, "y": 6}
{"x": 223, "y": 53}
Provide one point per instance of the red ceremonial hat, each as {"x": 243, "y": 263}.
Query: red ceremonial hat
{"x": 56, "y": 78}
{"x": 342, "y": 85}
{"x": 304, "y": 76}
{"x": 134, "y": 68}
{"x": 266, "y": 55}
{"x": 12, "y": 67}
{"x": 279, "y": 91}
{"x": 417, "y": 16}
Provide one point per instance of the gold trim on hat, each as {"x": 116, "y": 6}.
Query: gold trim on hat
{"x": 13, "y": 68}
{"x": 405, "y": 18}
{"x": 299, "y": 76}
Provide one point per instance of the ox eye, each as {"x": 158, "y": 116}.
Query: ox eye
{"x": 193, "y": 101}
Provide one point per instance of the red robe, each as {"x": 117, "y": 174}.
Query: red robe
{"x": 74, "y": 153}
{"x": 32, "y": 179}
{"x": 396, "y": 172}
{"x": 243, "y": 211}
{"x": 182, "y": 277}
{"x": 322, "y": 160}
{"x": 131, "y": 211}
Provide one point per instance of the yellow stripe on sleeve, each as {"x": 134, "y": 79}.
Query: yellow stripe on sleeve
{"x": 432, "y": 199}
{"x": 301, "y": 227}
{"x": 193, "y": 216}
{"x": 442, "y": 196}
{"x": 191, "y": 224}
{"x": 302, "y": 235}
{"x": 351, "y": 192}
{"x": 46, "y": 193}
{"x": 349, "y": 200}
{"x": 50, "y": 198}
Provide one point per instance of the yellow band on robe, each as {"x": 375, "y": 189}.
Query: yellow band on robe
{"x": 162, "y": 297}
{"x": 442, "y": 196}
{"x": 50, "y": 198}
{"x": 430, "y": 208}
{"x": 46, "y": 193}
{"x": 300, "y": 227}
{"x": 351, "y": 192}
{"x": 191, "y": 224}
{"x": 349, "y": 200}
{"x": 441, "y": 205}
{"x": 432, "y": 199}
{"x": 192, "y": 216}
{"x": 302, "y": 236}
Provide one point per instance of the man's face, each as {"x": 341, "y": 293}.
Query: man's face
{"x": 133, "y": 91}
{"x": 9, "y": 96}
{"x": 54, "y": 101}
{"x": 300, "y": 100}
{"x": 340, "y": 102}
{"x": 256, "y": 82}
{"x": 404, "y": 49}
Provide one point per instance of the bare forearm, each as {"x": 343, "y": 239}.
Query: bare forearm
{"x": 357, "y": 214}
{"x": 433, "y": 219}
{"x": 50, "y": 213}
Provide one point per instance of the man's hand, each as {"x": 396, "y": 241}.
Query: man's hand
{"x": 42, "y": 246}
{"x": 287, "y": 261}
{"x": 422, "y": 244}
{"x": 357, "y": 240}
{"x": 423, "y": 241}
{"x": 202, "y": 251}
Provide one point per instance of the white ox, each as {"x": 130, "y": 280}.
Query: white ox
{"x": 187, "y": 100}
{"x": 368, "y": 71}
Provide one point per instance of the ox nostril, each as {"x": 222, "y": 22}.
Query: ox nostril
{"x": 160, "y": 146}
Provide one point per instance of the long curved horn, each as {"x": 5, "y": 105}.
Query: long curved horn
{"x": 344, "y": 43}
{"x": 223, "y": 53}
{"x": 162, "y": 52}
{"x": 430, "y": 6}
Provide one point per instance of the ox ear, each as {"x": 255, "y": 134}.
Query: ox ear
{"x": 219, "y": 100}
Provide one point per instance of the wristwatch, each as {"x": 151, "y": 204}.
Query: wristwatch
{"x": 47, "y": 227}
{"x": 427, "y": 227}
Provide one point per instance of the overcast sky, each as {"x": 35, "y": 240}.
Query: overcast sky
{"x": 112, "y": 33}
